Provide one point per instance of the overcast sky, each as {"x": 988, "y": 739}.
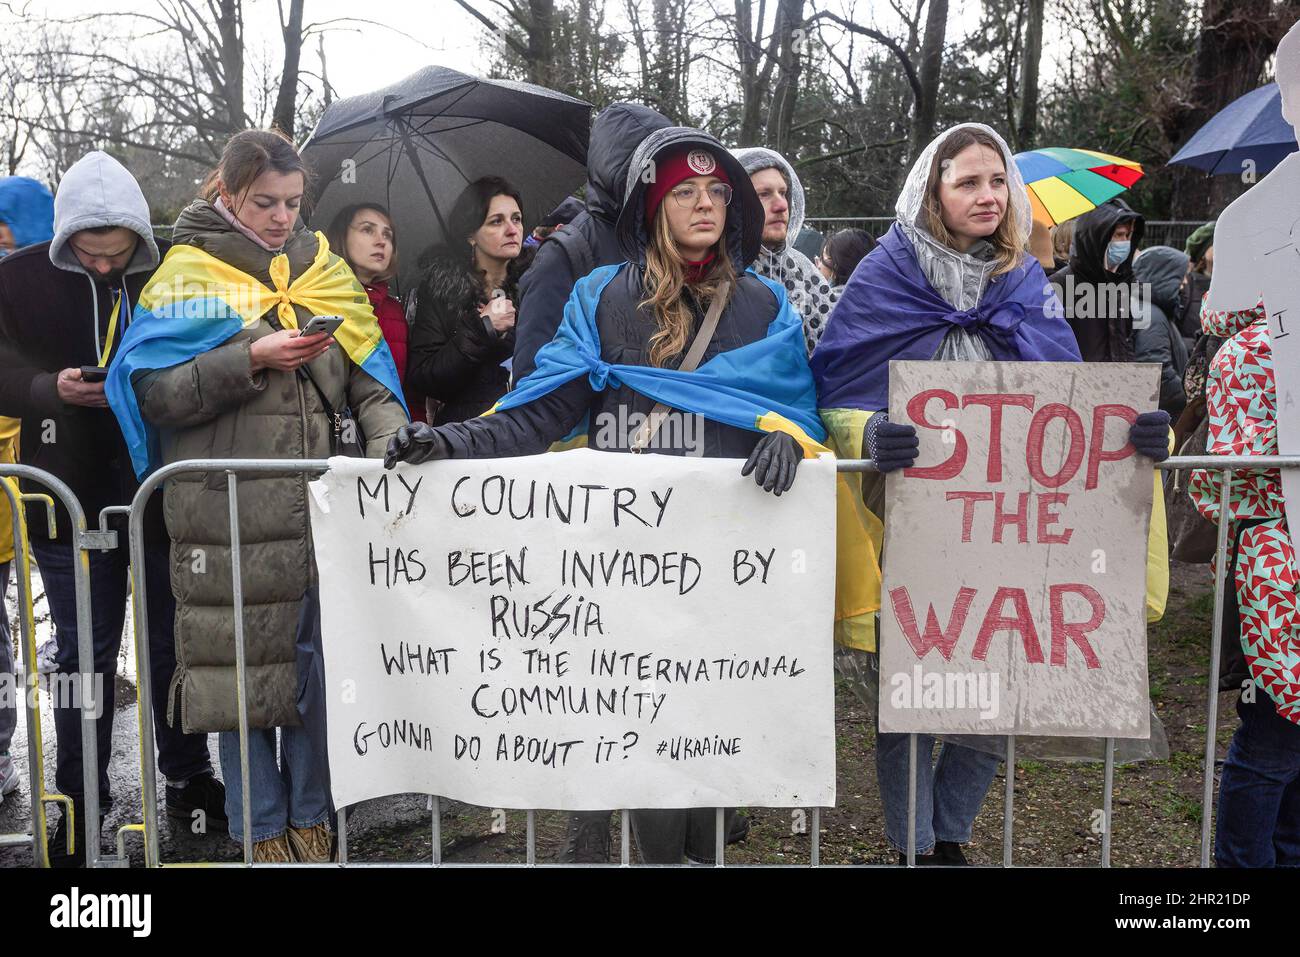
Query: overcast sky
{"x": 366, "y": 56}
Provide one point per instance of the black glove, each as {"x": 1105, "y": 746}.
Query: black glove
{"x": 1149, "y": 434}
{"x": 773, "y": 461}
{"x": 416, "y": 442}
{"x": 889, "y": 445}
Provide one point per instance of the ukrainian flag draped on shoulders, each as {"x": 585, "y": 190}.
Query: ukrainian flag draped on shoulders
{"x": 889, "y": 310}
{"x": 765, "y": 386}
{"x": 195, "y": 302}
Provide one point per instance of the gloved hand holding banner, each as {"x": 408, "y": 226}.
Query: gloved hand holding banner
{"x": 1016, "y": 551}
{"x": 578, "y": 631}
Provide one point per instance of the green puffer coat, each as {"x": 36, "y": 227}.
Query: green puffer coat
{"x": 214, "y": 407}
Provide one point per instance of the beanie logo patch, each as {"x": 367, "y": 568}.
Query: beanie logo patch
{"x": 701, "y": 161}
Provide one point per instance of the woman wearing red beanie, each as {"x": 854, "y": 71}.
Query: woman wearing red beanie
{"x": 690, "y": 225}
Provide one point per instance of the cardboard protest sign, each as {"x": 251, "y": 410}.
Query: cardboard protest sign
{"x": 1257, "y": 255}
{"x": 1015, "y": 551}
{"x": 578, "y": 630}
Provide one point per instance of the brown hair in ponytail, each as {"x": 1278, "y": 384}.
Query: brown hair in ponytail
{"x": 247, "y": 156}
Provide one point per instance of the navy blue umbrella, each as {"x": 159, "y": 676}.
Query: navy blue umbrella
{"x": 1251, "y": 127}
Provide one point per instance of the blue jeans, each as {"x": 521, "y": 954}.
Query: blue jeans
{"x": 296, "y": 791}
{"x": 949, "y": 791}
{"x": 1259, "y": 793}
{"x": 180, "y": 756}
{"x": 9, "y": 690}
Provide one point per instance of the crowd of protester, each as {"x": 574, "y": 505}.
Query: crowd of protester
{"x": 103, "y": 381}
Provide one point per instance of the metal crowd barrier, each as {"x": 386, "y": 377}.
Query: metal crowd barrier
{"x": 83, "y": 541}
{"x": 232, "y": 468}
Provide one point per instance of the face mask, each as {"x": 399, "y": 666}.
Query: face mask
{"x": 1117, "y": 252}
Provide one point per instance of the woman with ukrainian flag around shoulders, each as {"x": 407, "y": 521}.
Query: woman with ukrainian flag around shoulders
{"x": 690, "y": 226}
{"x": 213, "y": 367}
{"x": 950, "y": 281}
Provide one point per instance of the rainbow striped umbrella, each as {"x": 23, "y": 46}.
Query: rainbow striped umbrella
{"x": 1064, "y": 183}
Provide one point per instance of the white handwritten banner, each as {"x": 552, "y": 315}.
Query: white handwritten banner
{"x": 579, "y": 630}
{"x": 1015, "y": 551}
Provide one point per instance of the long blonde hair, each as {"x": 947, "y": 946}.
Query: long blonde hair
{"x": 665, "y": 286}
{"x": 1008, "y": 250}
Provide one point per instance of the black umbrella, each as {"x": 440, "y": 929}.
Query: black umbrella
{"x": 413, "y": 147}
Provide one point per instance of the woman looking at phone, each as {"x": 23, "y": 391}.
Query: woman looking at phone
{"x": 227, "y": 375}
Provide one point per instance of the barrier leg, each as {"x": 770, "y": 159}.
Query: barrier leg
{"x": 343, "y": 836}
{"x": 816, "y": 859}
{"x": 625, "y": 839}
{"x": 719, "y": 837}
{"x": 31, "y": 676}
{"x": 1212, "y": 686}
{"x": 90, "y": 701}
{"x": 144, "y": 679}
{"x": 1009, "y": 802}
{"x": 241, "y": 676}
{"x": 1106, "y": 801}
{"x": 911, "y": 800}
{"x": 436, "y": 807}
{"x": 531, "y": 839}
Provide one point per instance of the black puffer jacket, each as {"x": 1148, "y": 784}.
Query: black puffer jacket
{"x": 625, "y": 330}
{"x": 1097, "y": 301}
{"x": 453, "y": 357}
{"x": 589, "y": 241}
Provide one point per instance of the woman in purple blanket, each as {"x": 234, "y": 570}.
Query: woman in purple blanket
{"x": 951, "y": 280}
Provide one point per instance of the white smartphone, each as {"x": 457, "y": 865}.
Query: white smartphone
{"x": 326, "y": 324}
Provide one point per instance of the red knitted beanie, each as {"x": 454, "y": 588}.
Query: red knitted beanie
{"x": 674, "y": 165}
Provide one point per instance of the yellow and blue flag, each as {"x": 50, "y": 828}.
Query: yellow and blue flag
{"x": 195, "y": 302}
{"x": 765, "y": 386}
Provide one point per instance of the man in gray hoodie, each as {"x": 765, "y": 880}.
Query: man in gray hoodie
{"x": 64, "y": 306}
{"x": 782, "y": 194}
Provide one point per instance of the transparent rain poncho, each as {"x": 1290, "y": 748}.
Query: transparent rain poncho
{"x": 951, "y": 275}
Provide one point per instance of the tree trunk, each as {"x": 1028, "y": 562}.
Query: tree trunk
{"x": 286, "y": 101}
{"x": 936, "y": 25}
{"x": 751, "y": 97}
{"x": 780, "y": 117}
{"x": 664, "y": 75}
{"x": 1027, "y": 128}
{"x": 1237, "y": 38}
{"x": 327, "y": 92}
{"x": 230, "y": 27}
{"x": 541, "y": 42}
{"x": 584, "y": 39}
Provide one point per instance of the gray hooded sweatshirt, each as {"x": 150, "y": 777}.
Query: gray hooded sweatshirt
{"x": 810, "y": 293}
{"x": 96, "y": 191}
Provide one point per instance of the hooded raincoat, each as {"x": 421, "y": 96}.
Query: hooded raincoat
{"x": 809, "y": 292}
{"x": 1160, "y": 271}
{"x": 605, "y": 326}
{"x": 27, "y": 208}
{"x": 1098, "y": 301}
{"x": 589, "y": 240}
{"x": 915, "y": 298}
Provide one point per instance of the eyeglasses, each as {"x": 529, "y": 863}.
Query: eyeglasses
{"x": 687, "y": 195}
